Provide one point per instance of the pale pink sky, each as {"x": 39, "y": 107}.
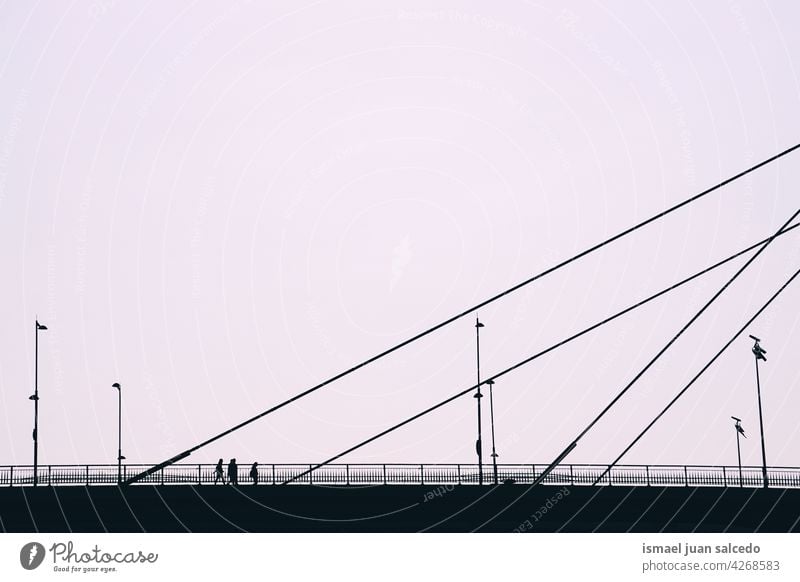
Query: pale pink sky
{"x": 221, "y": 204}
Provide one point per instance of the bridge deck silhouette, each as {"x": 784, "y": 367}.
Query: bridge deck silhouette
{"x": 395, "y": 508}
{"x": 412, "y": 474}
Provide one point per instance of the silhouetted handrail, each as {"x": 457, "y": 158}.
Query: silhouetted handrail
{"x": 472, "y": 309}
{"x": 399, "y": 474}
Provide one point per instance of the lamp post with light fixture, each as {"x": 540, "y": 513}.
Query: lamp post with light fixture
{"x": 759, "y": 352}
{"x": 490, "y": 382}
{"x": 739, "y": 431}
{"x": 478, "y": 396}
{"x": 120, "y": 458}
{"x": 35, "y": 398}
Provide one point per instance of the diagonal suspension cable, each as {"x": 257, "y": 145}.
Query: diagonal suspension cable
{"x": 694, "y": 318}
{"x": 454, "y": 318}
{"x": 542, "y": 353}
{"x": 700, "y": 373}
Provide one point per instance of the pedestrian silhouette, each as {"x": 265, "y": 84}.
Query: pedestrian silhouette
{"x": 254, "y": 473}
{"x": 218, "y": 474}
{"x": 233, "y": 477}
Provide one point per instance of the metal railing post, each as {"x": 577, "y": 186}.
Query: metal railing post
{"x": 647, "y": 472}
{"x": 87, "y": 474}
{"x": 162, "y": 476}
{"x": 571, "y": 475}
{"x": 724, "y": 476}
{"x": 421, "y": 475}
{"x": 50, "y": 475}
{"x": 384, "y": 474}
{"x": 310, "y": 479}
{"x": 273, "y": 473}
{"x": 199, "y": 475}
{"x": 11, "y": 476}
{"x": 686, "y": 475}
{"x": 347, "y": 473}
{"x": 609, "y": 476}
{"x": 459, "y": 473}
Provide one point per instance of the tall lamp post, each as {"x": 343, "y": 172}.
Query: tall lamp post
{"x": 35, "y": 398}
{"x": 478, "y": 396}
{"x": 759, "y": 352}
{"x": 491, "y": 416}
{"x": 120, "y": 458}
{"x": 739, "y": 431}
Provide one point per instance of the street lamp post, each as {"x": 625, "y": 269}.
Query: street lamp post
{"x": 35, "y": 398}
{"x": 491, "y": 416}
{"x": 478, "y": 396}
{"x": 739, "y": 431}
{"x": 759, "y": 352}
{"x": 120, "y": 458}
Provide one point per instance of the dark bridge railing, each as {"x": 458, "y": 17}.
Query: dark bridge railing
{"x": 411, "y": 474}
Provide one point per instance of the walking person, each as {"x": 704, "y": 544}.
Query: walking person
{"x": 233, "y": 473}
{"x": 254, "y": 473}
{"x": 218, "y": 474}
